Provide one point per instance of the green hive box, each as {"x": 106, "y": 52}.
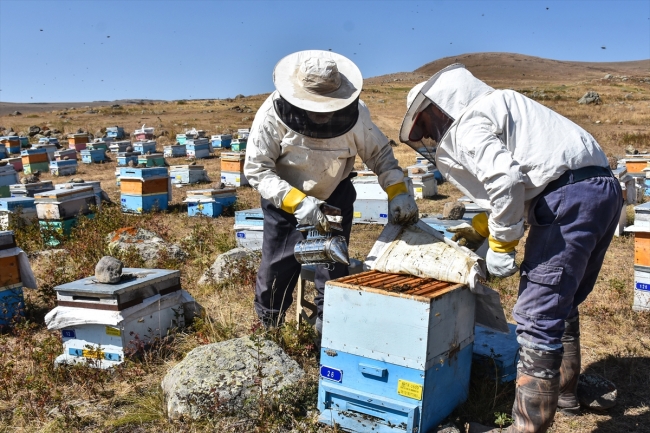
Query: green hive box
{"x": 4, "y": 191}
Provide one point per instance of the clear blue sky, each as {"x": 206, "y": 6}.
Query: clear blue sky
{"x": 61, "y": 50}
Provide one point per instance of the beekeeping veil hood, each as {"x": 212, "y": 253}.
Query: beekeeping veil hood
{"x": 452, "y": 90}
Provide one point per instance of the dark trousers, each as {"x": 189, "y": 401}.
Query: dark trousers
{"x": 571, "y": 228}
{"x": 279, "y": 271}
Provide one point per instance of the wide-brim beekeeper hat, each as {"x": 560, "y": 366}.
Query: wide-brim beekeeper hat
{"x": 318, "y": 81}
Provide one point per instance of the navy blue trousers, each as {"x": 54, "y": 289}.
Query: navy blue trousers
{"x": 279, "y": 270}
{"x": 571, "y": 228}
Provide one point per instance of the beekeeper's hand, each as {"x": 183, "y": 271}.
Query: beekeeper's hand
{"x": 501, "y": 264}
{"x": 401, "y": 205}
{"x": 471, "y": 236}
{"x": 308, "y": 213}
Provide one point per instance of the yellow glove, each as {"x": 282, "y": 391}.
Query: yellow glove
{"x": 480, "y": 224}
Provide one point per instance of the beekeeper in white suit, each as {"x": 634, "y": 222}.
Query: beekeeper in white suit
{"x": 300, "y": 154}
{"x": 524, "y": 162}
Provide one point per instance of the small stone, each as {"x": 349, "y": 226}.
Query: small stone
{"x": 453, "y": 210}
{"x": 77, "y": 180}
{"x": 108, "y": 270}
{"x": 597, "y": 122}
{"x": 630, "y": 150}
{"x": 590, "y": 97}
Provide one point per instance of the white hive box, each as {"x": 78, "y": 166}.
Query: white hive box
{"x": 95, "y": 184}
{"x": 396, "y": 352}
{"x": 371, "y": 205}
{"x": 187, "y": 174}
{"x": 424, "y": 185}
{"x": 100, "y": 322}
{"x": 249, "y": 228}
{"x": 641, "y": 288}
{"x": 65, "y": 203}
{"x": 16, "y": 211}
{"x": 30, "y": 189}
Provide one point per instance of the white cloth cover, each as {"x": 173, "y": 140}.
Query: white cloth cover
{"x": 27, "y": 277}
{"x": 504, "y": 148}
{"x": 62, "y": 317}
{"x": 278, "y": 158}
{"x": 422, "y": 251}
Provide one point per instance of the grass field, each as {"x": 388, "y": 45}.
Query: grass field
{"x": 36, "y": 397}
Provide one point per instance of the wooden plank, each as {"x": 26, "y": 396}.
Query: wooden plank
{"x": 9, "y": 271}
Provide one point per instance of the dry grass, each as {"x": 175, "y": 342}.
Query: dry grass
{"x": 36, "y": 397}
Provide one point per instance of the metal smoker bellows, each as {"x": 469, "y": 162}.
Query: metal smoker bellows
{"x": 327, "y": 249}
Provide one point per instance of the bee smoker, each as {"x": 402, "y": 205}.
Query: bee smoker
{"x": 319, "y": 249}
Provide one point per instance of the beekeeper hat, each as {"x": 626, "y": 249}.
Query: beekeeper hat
{"x": 318, "y": 81}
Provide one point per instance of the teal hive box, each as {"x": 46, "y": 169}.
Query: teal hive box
{"x": 152, "y": 160}
{"x": 238, "y": 145}
{"x": 90, "y": 156}
{"x": 54, "y": 230}
{"x": 24, "y": 142}
{"x": 181, "y": 138}
{"x": 396, "y": 352}
{"x": 98, "y": 145}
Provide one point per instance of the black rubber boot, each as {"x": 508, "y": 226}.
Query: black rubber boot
{"x": 568, "y": 402}
{"x": 536, "y": 395}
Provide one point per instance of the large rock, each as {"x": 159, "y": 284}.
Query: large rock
{"x": 33, "y": 130}
{"x": 230, "y": 264}
{"x": 108, "y": 270}
{"x": 590, "y": 97}
{"x": 453, "y": 210}
{"x": 223, "y": 376}
{"x": 148, "y": 244}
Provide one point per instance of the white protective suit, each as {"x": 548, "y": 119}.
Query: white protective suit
{"x": 494, "y": 151}
{"x": 277, "y": 158}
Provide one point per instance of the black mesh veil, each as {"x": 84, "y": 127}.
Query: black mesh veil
{"x": 296, "y": 118}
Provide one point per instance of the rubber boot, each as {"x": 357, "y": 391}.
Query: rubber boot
{"x": 536, "y": 394}
{"x": 570, "y": 369}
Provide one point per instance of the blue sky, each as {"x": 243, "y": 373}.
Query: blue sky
{"x": 87, "y": 50}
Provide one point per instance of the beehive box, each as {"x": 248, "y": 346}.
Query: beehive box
{"x": 119, "y": 146}
{"x": 496, "y": 354}
{"x": 371, "y": 204}
{"x": 95, "y": 184}
{"x": 37, "y": 167}
{"x": 16, "y": 211}
{"x": 89, "y": 156}
{"x": 144, "y": 306}
{"x": 175, "y": 151}
{"x": 48, "y": 140}
{"x": 30, "y": 189}
{"x": 424, "y": 185}
{"x": 233, "y": 162}
{"x": 181, "y": 138}
{"x": 61, "y": 155}
{"x": 152, "y": 160}
{"x": 63, "y": 168}
{"x": 627, "y": 183}
{"x": 123, "y": 158}
{"x": 243, "y": 133}
{"x": 60, "y": 204}
{"x": 144, "y": 189}
{"x": 144, "y": 133}
{"x": 636, "y": 165}
{"x": 238, "y": 145}
{"x": 3, "y": 152}
{"x": 187, "y": 174}
{"x": 53, "y": 230}
{"x": 24, "y": 142}
{"x": 78, "y": 141}
{"x": 8, "y": 177}
{"x": 641, "y": 288}
{"x": 99, "y": 145}
{"x": 16, "y": 162}
{"x": 12, "y": 304}
{"x": 115, "y": 132}
{"x": 221, "y": 141}
{"x": 144, "y": 147}
{"x": 396, "y": 352}
{"x": 11, "y": 144}
{"x": 249, "y": 228}
{"x": 209, "y": 202}
{"x": 197, "y": 148}
{"x": 34, "y": 156}
{"x": 233, "y": 178}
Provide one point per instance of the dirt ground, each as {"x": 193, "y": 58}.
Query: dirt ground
{"x": 616, "y": 340}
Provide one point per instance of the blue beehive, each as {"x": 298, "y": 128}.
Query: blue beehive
{"x": 187, "y": 174}
{"x": 144, "y": 147}
{"x": 11, "y": 204}
{"x": 197, "y": 148}
{"x": 89, "y": 156}
{"x": 119, "y": 146}
{"x": 24, "y": 142}
{"x": 115, "y": 132}
{"x": 144, "y": 189}
{"x": 3, "y": 152}
{"x": 123, "y": 158}
{"x": 496, "y": 354}
{"x": 64, "y": 167}
{"x": 29, "y": 189}
{"x": 12, "y": 144}
{"x": 221, "y": 141}
{"x": 175, "y": 151}
{"x": 396, "y": 352}
{"x": 143, "y": 203}
{"x": 181, "y": 138}
{"x": 209, "y": 202}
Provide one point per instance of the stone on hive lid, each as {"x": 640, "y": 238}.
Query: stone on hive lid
{"x": 108, "y": 270}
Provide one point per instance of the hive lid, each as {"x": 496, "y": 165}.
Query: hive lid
{"x": 7, "y": 239}
{"x": 233, "y": 156}
{"x": 64, "y": 194}
{"x": 211, "y": 192}
{"x": 396, "y": 284}
{"x": 11, "y": 203}
{"x": 36, "y": 186}
{"x": 185, "y": 167}
{"x": 137, "y": 284}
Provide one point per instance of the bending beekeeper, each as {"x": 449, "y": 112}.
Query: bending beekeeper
{"x": 300, "y": 154}
{"x": 524, "y": 162}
